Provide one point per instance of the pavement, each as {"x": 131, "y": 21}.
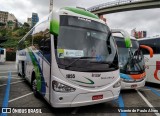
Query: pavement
{"x": 20, "y": 96}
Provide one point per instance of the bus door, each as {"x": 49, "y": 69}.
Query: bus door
{"x": 46, "y": 66}
{"x": 23, "y": 68}
{"x": 1, "y": 55}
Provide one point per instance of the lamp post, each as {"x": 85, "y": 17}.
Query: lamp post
{"x": 51, "y": 6}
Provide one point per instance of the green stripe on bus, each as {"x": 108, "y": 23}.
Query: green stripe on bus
{"x": 54, "y": 27}
{"x": 128, "y": 42}
{"x": 82, "y": 12}
{"x": 37, "y": 71}
{"x": 90, "y": 82}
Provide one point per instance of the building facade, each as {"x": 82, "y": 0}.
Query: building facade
{"x": 12, "y": 21}
{"x": 138, "y": 34}
{"x": 29, "y": 21}
{"x": 3, "y": 18}
{"x": 35, "y": 18}
{"x": 8, "y": 20}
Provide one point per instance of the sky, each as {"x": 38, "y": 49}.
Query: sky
{"x": 147, "y": 20}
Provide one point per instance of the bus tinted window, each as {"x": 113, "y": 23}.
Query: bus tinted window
{"x": 120, "y": 42}
{"x": 1, "y": 51}
{"x": 153, "y": 43}
{"x": 39, "y": 35}
{"x": 83, "y": 22}
{"x": 157, "y": 45}
{"x": 145, "y": 52}
{"x": 47, "y": 49}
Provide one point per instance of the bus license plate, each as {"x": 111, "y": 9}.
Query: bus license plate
{"x": 134, "y": 86}
{"x": 96, "y": 97}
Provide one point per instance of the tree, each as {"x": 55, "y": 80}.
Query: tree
{"x": 26, "y": 25}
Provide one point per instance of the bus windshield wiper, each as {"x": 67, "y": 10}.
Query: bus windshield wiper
{"x": 101, "y": 62}
{"x": 105, "y": 62}
{"x": 135, "y": 61}
{"x": 69, "y": 65}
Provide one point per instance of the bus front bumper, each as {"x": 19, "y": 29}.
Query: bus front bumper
{"x": 132, "y": 85}
{"x": 86, "y": 99}
{"x": 83, "y": 96}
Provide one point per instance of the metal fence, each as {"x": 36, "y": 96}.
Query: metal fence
{"x": 113, "y": 3}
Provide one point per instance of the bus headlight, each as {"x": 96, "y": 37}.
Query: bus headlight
{"x": 59, "y": 87}
{"x": 118, "y": 84}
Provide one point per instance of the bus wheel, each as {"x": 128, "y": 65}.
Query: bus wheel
{"x": 34, "y": 88}
{"x": 19, "y": 74}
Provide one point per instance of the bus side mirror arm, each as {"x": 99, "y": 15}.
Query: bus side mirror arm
{"x": 148, "y": 48}
{"x": 126, "y": 36}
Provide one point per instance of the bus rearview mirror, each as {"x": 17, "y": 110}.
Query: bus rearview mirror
{"x": 148, "y": 48}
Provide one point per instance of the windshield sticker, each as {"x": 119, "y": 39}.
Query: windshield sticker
{"x": 73, "y": 53}
{"x": 60, "y": 53}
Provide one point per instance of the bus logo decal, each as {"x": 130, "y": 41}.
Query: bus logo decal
{"x": 156, "y": 71}
{"x": 41, "y": 86}
{"x": 89, "y": 81}
{"x": 96, "y": 75}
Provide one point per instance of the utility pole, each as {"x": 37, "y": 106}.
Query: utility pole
{"x": 51, "y": 6}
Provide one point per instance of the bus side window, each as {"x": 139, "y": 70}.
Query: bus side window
{"x": 158, "y": 46}
{"x": 1, "y": 51}
{"x": 145, "y": 52}
{"x": 41, "y": 45}
{"x": 47, "y": 49}
{"x": 39, "y": 36}
{"x": 151, "y": 43}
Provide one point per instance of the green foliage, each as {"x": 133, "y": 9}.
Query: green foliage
{"x": 10, "y": 43}
{"x": 3, "y": 32}
{"x": 13, "y": 36}
{"x": 26, "y": 25}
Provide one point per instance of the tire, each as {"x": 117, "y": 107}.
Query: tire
{"x": 34, "y": 88}
{"x": 19, "y": 74}
{"x": 23, "y": 75}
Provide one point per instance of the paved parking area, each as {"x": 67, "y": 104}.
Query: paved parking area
{"x": 20, "y": 95}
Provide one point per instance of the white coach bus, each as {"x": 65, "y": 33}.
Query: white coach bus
{"x": 152, "y": 64}
{"x": 2, "y": 55}
{"x": 131, "y": 63}
{"x": 71, "y": 59}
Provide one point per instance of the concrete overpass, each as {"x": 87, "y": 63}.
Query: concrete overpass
{"x": 124, "y": 5}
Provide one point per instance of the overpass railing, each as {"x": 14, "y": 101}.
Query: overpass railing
{"x": 113, "y": 3}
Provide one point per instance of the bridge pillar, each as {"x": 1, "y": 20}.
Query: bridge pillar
{"x": 102, "y": 18}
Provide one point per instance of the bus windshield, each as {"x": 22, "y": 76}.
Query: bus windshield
{"x": 85, "y": 45}
{"x": 131, "y": 60}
